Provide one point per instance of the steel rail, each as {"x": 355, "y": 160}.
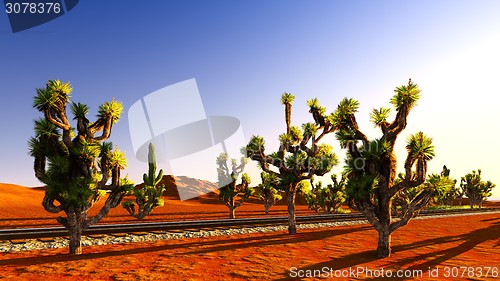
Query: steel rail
{"x": 51, "y": 232}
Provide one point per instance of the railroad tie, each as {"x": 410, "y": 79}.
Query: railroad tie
{"x": 17, "y": 241}
{"x": 46, "y": 239}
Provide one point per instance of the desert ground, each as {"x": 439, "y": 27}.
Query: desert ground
{"x": 464, "y": 244}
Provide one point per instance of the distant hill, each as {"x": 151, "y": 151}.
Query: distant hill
{"x": 205, "y": 190}
{"x": 19, "y": 201}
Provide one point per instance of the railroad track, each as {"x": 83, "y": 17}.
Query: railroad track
{"x": 100, "y": 229}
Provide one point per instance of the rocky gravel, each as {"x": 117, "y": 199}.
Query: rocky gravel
{"x": 59, "y": 242}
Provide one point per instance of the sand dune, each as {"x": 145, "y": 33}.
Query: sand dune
{"x": 20, "y": 202}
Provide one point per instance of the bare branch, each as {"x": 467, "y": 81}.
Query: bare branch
{"x": 412, "y": 210}
{"x": 48, "y": 203}
{"x": 368, "y": 209}
{"x": 112, "y": 201}
{"x": 50, "y": 117}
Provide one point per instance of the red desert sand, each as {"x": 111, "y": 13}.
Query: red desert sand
{"x": 436, "y": 247}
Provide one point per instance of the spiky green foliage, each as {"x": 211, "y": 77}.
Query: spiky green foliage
{"x": 317, "y": 111}
{"x": 310, "y": 129}
{"x": 475, "y": 188}
{"x": 303, "y": 187}
{"x": 329, "y": 198}
{"x": 346, "y": 108}
{"x": 147, "y": 196}
{"x": 300, "y": 155}
{"x": 448, "y": 191}
{"x": 55, "y": 95}
{"x": 439, "y": 184}
{"x": 110, "y": 110}
{"x": 362, "y": 187}
{"x": 420, "y": 147}
{"x": 255, "y": 145}
{"x": 77, "y": 170}
{"x": 232, "y": 194}
{"x": 268, "y": 192}
{"x": 79, "y": 110}
{"x": 287, "y": 98}
{"x": 380, "y": 116}
{"x": 406, "y": 96}
{"x": 371, "y": 165}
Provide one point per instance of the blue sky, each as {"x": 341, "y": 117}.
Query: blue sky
{"x": 244, "y": 54}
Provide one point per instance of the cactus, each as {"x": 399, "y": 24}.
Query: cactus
{"x": 148, "y": 196}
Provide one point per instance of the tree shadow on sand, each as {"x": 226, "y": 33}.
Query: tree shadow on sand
{"x": 208, "y": 246}
{"x": 469, "y": 241}
{"x": 432, "y": 259}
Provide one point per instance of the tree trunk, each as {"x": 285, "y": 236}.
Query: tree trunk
{"x": 75, "y": 242}
{"x": 288, "y": 116}
{"x": 231, "y": 212}
{"x": 384, "y": 233}
{"x": 75, "y": 229}
{"x": 231, "y": 208}
{"x": 384, "y": 242}
{"x": 290, "y": 196}
{"x": 267, "y": 206}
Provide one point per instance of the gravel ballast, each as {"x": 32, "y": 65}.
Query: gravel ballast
{"x": 59, "y": 242}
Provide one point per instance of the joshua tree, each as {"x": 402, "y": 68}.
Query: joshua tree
{"x": 371, "y": 165}
{"x": 229, "y": 192}
{"x": 76, "y": 169}
{"x": 446, "y": 192}
{"x": 475, "y": 189}
{"x": 311, "y": 195}
{"x": 148, "y": 196}
{"x": 267, "y": 191}
{"x": 299, "y": 157}
{"x": 328, "y": 198}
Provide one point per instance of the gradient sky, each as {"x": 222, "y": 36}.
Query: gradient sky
{"x": 245, "y": 54}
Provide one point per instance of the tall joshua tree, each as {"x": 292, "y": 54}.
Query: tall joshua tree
{"x": 267, "y": 190}
{"x": 148, "y": 196}
{"x": 231, "y": 191}
{"x": 299, "y": 157}
{"x": 77, "y": 170}
{"x": 371, "y": 165}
